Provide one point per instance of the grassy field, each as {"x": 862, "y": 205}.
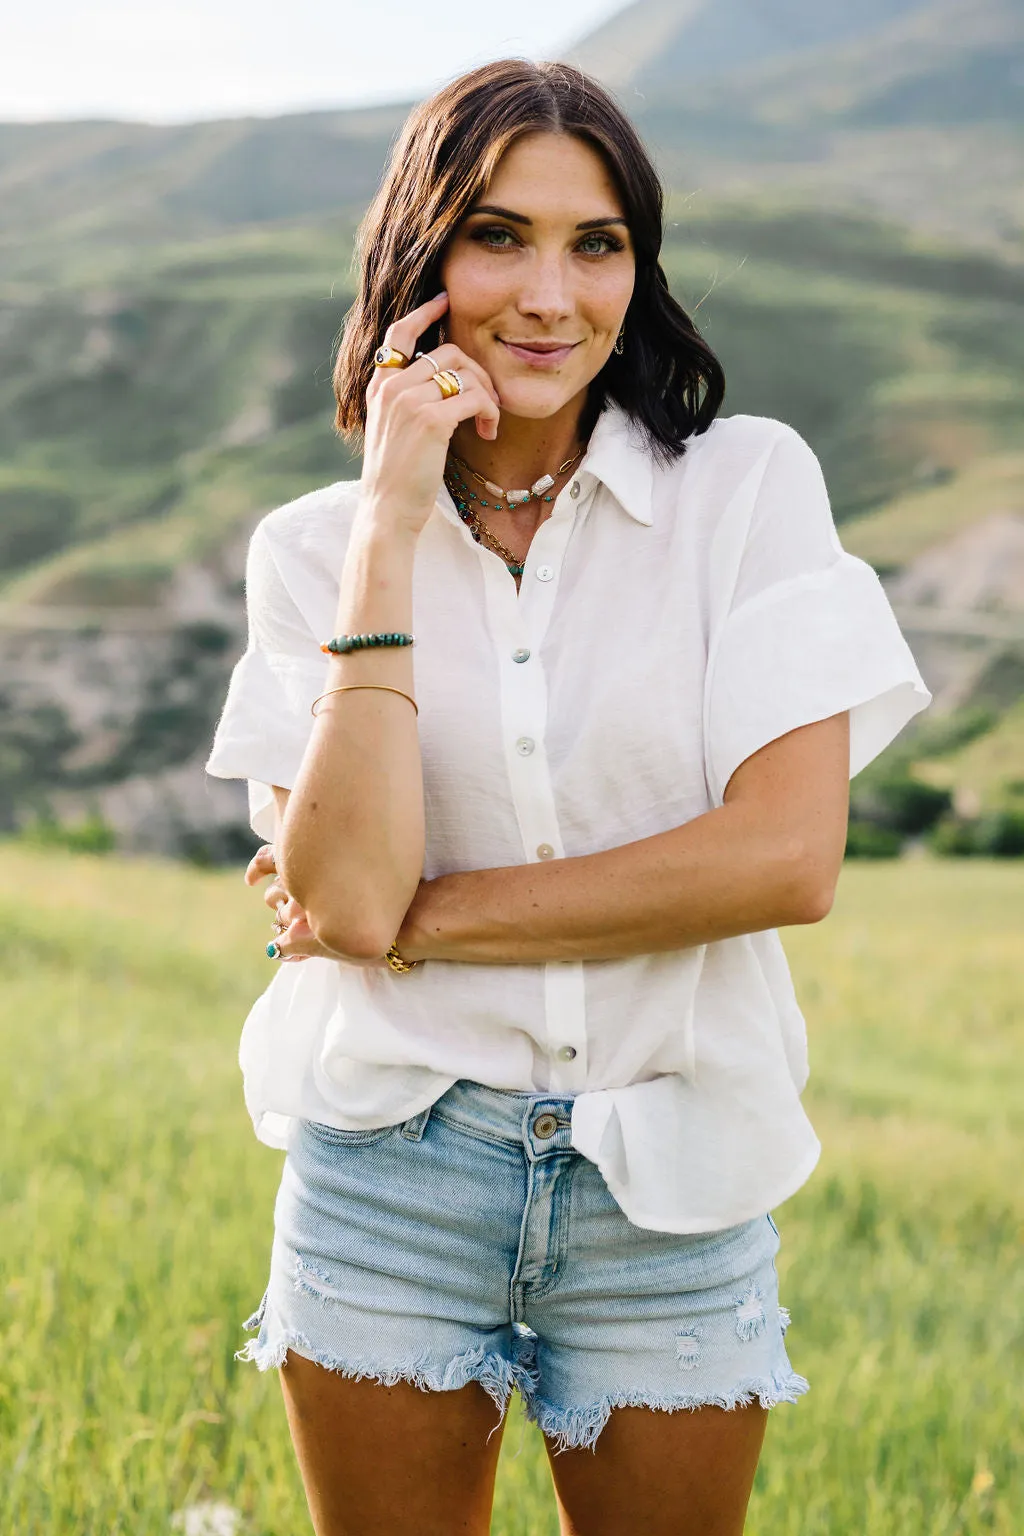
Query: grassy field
{"x": 135, "y": 1211}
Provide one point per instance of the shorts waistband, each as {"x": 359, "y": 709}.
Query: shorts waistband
{"x": 508, "y": 1114}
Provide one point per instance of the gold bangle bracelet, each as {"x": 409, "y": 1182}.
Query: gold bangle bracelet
{"x": 356, "y": 687}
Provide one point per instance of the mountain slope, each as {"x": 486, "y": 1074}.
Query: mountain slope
{"x": 169, "y": 299}
{"x": 658, "y": 44}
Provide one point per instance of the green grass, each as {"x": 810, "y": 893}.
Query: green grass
{"x": 135, "y": 1214}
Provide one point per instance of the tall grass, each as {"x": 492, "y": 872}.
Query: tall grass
{"x": 135, "y": 1213}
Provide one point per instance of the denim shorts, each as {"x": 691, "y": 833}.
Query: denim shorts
{"x": 472, "y": 1243}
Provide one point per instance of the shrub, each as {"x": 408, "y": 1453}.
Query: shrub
{"x": 907, "y": 805}
{"x": 999, "y": 834}
{"x": 952, "y": 837}
{"x": 867, "y": 840}
{"x": 92, "y": 835}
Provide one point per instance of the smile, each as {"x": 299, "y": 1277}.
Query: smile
{"x": 541, "y": 354}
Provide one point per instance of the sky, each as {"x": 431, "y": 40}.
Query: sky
{"x": 177, "y": 60}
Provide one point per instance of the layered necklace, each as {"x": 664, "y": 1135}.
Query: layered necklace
{"x": 462, "y": 494}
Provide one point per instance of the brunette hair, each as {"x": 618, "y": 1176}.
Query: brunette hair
{"x": 667, "y": 378}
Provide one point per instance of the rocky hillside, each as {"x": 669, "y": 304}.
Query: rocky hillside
{"x": 169, "y": 298}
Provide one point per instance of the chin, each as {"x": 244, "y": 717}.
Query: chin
{"x": 533, "y": 401}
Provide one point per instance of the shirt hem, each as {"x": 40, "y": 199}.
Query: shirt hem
{"x": 658, "y": 1222}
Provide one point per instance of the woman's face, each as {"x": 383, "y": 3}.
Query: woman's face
{"x": 540, "y": 273}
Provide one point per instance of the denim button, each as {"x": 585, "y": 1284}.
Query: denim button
{"x": 521, "y": 655}
{"x": 544, "y": 1127}
{"x": 525, "y": 745}
{"x": 567, "y": 1053}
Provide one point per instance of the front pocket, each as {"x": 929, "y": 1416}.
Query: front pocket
{"x": 335, "y": 1137}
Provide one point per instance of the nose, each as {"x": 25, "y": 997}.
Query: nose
{"x": 546, "y": 294}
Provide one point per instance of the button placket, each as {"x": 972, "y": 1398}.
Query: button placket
{"x": 518, "y": 623}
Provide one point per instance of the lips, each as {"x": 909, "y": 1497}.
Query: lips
{"x": 541, "y": 354}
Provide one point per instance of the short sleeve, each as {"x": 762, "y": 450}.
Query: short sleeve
{"x": 809, "y": 633}
{"x": 266, "y": 722}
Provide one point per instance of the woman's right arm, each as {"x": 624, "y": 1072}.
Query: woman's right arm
{"x": 351, "y": 842}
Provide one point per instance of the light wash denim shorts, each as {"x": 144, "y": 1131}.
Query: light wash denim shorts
{"x": 472, "y": 1243}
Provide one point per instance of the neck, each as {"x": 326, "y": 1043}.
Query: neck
{"x": 524, "y": 449}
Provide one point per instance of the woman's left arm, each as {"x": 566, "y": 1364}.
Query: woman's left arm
{"x": 768, "y": 857}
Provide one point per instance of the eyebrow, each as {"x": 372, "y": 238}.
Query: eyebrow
{"x": 520, "y": 218}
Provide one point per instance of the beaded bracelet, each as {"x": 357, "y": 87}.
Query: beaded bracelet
{"x": 343, "y": 643}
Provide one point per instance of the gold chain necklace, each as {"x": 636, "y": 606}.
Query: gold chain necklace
{"x": 462, "y": 494}
{"x": 515, "y": 498}
{"x": 458, "y": 490}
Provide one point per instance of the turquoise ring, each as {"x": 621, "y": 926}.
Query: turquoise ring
{"x": 273, "y": 950}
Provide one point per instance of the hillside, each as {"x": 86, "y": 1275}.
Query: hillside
{"x": 169, "y": 299}
{"x": 665, "y": 44}
{"x": 899, "y": 108}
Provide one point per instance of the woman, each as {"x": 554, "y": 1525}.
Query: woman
{"x": 539, "y": 1078}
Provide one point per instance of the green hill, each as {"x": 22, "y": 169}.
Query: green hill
{"x": 170, "y": 296}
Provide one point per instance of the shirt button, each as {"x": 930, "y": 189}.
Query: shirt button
{"x": 522, "y": 655}
{"x": 574, "y": 489}
{"x": 545, "y": 851}
{"x": 525, "y": 745}
{"x": 567, "y": 1053}
{"x": 545, "y": 572}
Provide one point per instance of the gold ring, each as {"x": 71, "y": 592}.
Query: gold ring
{"x": 389, "y": 357}
{"x": 448, "y": 383}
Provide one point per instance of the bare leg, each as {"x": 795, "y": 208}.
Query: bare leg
{"x": 687, "y": 1473}
{"x": 376, "y": 1460}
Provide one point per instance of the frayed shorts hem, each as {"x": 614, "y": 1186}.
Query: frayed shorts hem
{"x": 565, "y": 1429}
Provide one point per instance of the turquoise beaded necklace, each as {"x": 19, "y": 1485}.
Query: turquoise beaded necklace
{"x": 462, "y": 494}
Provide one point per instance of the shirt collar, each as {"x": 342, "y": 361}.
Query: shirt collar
{"x": 619, "y": 457}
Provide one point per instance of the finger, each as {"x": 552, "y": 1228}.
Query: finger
{"x": 404, "y": 333}
{"x": 261, "y": 864}
{"x": 424, "y": 369}
{"x": 298, "y": 924}
{"x": 451, "y": 356}
{"x": 472, "y": 400}
{"x": 274, "y": 895}
{"x": 297, "y": 942}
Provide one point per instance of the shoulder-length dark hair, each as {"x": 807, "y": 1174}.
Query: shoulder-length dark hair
{"x": 667, "y": 378}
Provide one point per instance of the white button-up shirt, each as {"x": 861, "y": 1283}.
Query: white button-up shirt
{"x": 671, "y": 621}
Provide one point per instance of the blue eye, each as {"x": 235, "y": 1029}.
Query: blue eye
{"x": 606, "y": 243}
{"x": 487, "y": 235}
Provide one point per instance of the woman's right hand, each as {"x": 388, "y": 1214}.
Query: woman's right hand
{"x": 409, "y": 425}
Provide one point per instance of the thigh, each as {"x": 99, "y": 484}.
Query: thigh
{"x": 687, "y": 1473}
{"x": 378, "y": 1459}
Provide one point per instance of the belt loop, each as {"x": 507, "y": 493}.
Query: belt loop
{"x": 413, "y": 1129}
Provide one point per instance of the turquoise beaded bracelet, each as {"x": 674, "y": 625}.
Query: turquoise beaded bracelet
{"x": 343, "y": 643}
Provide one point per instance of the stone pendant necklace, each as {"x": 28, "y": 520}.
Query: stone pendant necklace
{"x": 462, "y": 494}
{"x": 516, "y": 498}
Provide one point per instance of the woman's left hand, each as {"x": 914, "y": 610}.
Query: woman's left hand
{"x": 294, "y": 937}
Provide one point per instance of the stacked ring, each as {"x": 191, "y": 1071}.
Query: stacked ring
{"x": 448, "y": 382}
{"x": 389, "y": 357}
